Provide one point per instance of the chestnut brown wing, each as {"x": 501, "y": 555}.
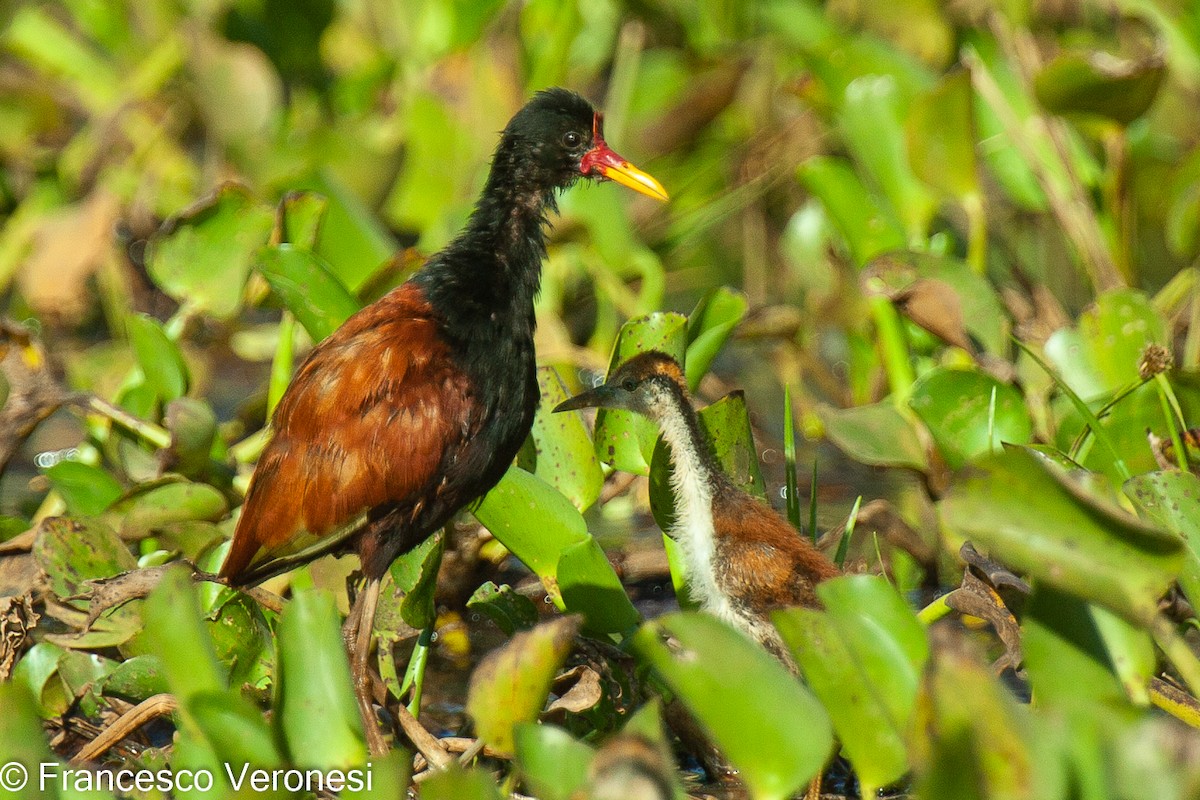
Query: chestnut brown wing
{"x": 364, "y": 426}
{"x": 768, "y": 564}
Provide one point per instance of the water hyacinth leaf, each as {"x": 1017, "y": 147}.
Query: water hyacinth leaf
{"x": 314, "y": 684}
{"x": 510, "y": 610}
{"x": 1102, "y": 354}
{"x": 863, "y": 657}
{"x": 970, "y": 413}
{"x": 306, "y": 286}
{"x": 298, "y": 219}
{"x": 972, "y": 740}
{"x": 940, "y": 136}
{"x": 511, "y": 683}
{"x": 1171, "y": 499}
{"x": 37, "y": 673}
{"x": 775, "y": 754}
{"x": 710, "y": 325}
{"x": 236, "y": 730}
{"x": 535, "y": 522}
{"x": 175, "y": 634}
{"x": 415, "y": 574}
{"x": 1117, "y": 89}
{"x": 562, "y": 453}
{"x": 457, "y": 783}
{"x": 625, "y": 440}
{"x": 136, "y": 679}
{"x": 871, "y": 121}
{"x": 239, "y": 635}
{"x": 352, "y": 242}
{"x": 21, "y": 733}
{"x": 159, "y": 359}
{"x": 590, "y": 586}
{"x": 71, "y": 552}
{"x": 877, "y": 434}
{"x": 868, "y": 228}
{"x": 171, "y": 500}
{"x": 726, "y": 426}
{"x": 553, "y": 763}
{"x": 1062, "y": 534}
{"x": 1077, "y": 653}
{"x": 203, "y": 256}
{"x": 193, "y": 427}
{"x": 85, "y": 490}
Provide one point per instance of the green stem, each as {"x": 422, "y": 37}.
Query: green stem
{"x": 148, "y": 432}
{"x": 281, "y": 365}
{"x": 1170, "y": 408}
{"x": 792, "y": 488}
{"x": 812, "y": 505}
{"x": 977, "y": 232}
{"x": 936, "y": 610}
{"x": 844, "y": 544}
{"x": 892, "y": 344}
{"x": 1178, "y": 652}
{"x": 414, "y": 675}
{"x": 1104, "y": 411}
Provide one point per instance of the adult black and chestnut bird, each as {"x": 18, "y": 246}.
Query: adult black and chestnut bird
{"x": 742, "y": 559}
{"x": 417, "y": 405}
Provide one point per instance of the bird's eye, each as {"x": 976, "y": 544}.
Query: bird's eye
{"x": 571, "y": 139}
{"x": 629, "y": 384}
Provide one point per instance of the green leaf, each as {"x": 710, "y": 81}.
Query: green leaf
{"x": 136, "y": 679}
{"x": 562, "y": 453}
{"x": 863, "y": 658}
{"x": 877, "y": 434}
{"x": 532, "y": 520}
{"x": 313, "y": 684}
{"x": 1061, "y": 534}
{"x": 86, "y": 490}
{"x": 868, "y": 227}
{"x": 175, "y": 634}
{"x": 298, "y": 219}
{"x": 37, "y": 673}
{"x": 193, "y": 427}
{"x": 1171, "y": 500}
{"x": 351, "y": 241}
{"x": 510, "y": 610}
{"x": 957, "y": 407}
{"x": 415, "y": 574}
{"x": 155, "y": 505}
{"x": 511, "y": 683}
{"x": 236, "y": 730}
{"x": 22, "y": 738}
{"x": 1117, "y": 89}
{"x": 457, "y": 783}
{"x": 71, "y": 552}
{"x": 775, "y": 753}
{"x": 940, "y": 136}
{"x": 158, "y": 357}
{"x": 625, "y": 440}
{"x": 307, "y": 287}
{"x": 710, "y": 325}
{"x": 590, "y": 586}
{"x": 552, "y": 762}
{"x": 203, "y": 256}
{"x": 726, "y": 426}
{"x": 239, "y": 634}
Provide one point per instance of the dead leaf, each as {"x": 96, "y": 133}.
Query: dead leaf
{"x": 584, "y": 691}
{"x": 68, "y": 248}
{"x": 17, "y": 619}
{"x": 936, "y": 307}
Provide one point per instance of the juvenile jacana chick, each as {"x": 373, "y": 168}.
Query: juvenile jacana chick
{"x": 743, "y": 560}
{"x": 417, "y": 405}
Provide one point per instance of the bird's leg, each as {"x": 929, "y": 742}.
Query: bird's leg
{"x": 358, "y": 639}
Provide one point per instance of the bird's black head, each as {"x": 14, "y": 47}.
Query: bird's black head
{"x": 558, "y": 137}
{"x": 647, "y": 383}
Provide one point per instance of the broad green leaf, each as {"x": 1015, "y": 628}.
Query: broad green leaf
{"x": 863, "y": 658}
{"x": 510, "y": 610}
{"x": 871, "y": 122}
{"x": 553, "y": 763}
{"x": 158, "y": 357}
{"x": 307, "y": 287}
{"x": 625, "y": 440}
{"x": 532, "y": 520}
{"x": 86, "y": 490}
{"x": 193, "y": 427}
{"x": 203, "y": 256}
{"x": 560, "y": 449}
{"x": 457, "y": 783}
{"x": 940, "y": 136}
{"x": 23, "y": 741}
{"x": 136, "y": 679}
{"x": 313, "y": 684}
{"x": 37, "y": 673}
{"x": 876, "y": 434}
{"x": 969, "y": 413}
{"x": 775, "y": 753}
{"x": 868, "y": 227}
{"x": 710, "y": 325}
{"x": 511, "y": 683}
{"x": 175, "y": 634}
{"x": 1062, "y": 535}
{"x": 239, "y": 635}
{"x": 236, "y": 730}
{"x": 71, "y": 552}
{"x": 1098, "y": 83}
{"x": 351, "y": 241}
{"x": 1078, "y": 653}
{"x": 726, "y": 426}
{"x": 155, "y": 505}
{"x": 1171, "y": 500}
{"x": 298, "y": 219}
{"x": 415, "y": 574}
{"x": 590, "y": 586}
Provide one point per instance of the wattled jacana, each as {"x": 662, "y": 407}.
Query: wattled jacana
{"x": 743, "y": 560}
{"x": 417, "y": 405}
